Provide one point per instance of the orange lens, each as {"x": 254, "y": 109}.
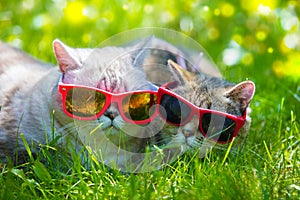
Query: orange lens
{"x": 137, "y": 106}
{"x": 83, "y": 102}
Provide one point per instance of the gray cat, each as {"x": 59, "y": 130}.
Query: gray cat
{"x": 31, "y": 104}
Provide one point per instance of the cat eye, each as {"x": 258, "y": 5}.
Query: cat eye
{"x": 88, "y": 103}
{"x": 218, "y": 126}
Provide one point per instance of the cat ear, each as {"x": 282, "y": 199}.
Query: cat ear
{"x": 182, "y": 74}
{"x": 65, "y": 56}
{"x": 242, "y": 92}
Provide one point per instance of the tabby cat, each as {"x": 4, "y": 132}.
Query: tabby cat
{"x": 213, "y": 93}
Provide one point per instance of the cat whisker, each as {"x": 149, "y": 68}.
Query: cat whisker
{"x": 66, "y": 128}
{"x": 71, "y": 127}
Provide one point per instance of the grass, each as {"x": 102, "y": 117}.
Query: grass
{"x": 268, "y": 167}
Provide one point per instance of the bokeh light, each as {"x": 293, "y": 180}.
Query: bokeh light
{"x": 227, "y": 9}
{"x": 75, "y": 12}
{"x": 289, "y": 68}
{"x": 258, "y": 6}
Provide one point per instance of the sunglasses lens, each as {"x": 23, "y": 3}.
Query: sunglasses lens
{"x": 217, "y": 127}
{"x": 137, "y": 107}
{"x": 175, "y": 110}
{"x": 83, "y": 102}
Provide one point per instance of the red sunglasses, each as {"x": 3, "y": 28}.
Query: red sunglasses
{"x": 89, "y": 103}
{"x": 218, "y": 126}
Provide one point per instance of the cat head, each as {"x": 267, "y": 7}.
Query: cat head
{"x": 210, "y": 93}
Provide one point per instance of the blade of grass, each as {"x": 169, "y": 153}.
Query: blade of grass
{"x": 228, "y": 151}
{"x": 280, "y": 116}
{"x": 27, "y": 147}
{"x": 268, "y": 152}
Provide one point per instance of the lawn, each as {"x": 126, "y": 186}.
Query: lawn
{"x": 246, "y": 39}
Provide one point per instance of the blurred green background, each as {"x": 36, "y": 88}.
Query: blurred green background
{"x": 253, "y": 37}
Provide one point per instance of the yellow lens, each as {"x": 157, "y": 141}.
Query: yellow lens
{"x": 83, "y": 102}
{"x": 137, "y": 106}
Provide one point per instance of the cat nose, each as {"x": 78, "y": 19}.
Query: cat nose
{"x": 187, "y": 133}
{"x": 111, "y": 114}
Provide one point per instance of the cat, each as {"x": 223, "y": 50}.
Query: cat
{"x": 31, "y": 104}
{"x": 208, "y": 92}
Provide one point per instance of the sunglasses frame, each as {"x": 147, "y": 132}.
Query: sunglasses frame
{"x": 110, "y": 98}
{"x": 195, "y": 110}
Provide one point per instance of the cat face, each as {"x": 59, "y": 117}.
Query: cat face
{"x": 111, "y": 69}
{"x": 210, "y": 93}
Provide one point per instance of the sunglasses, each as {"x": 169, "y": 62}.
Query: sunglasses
{"x": 217, "y": 126}
{"x": 89, "y": 103}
